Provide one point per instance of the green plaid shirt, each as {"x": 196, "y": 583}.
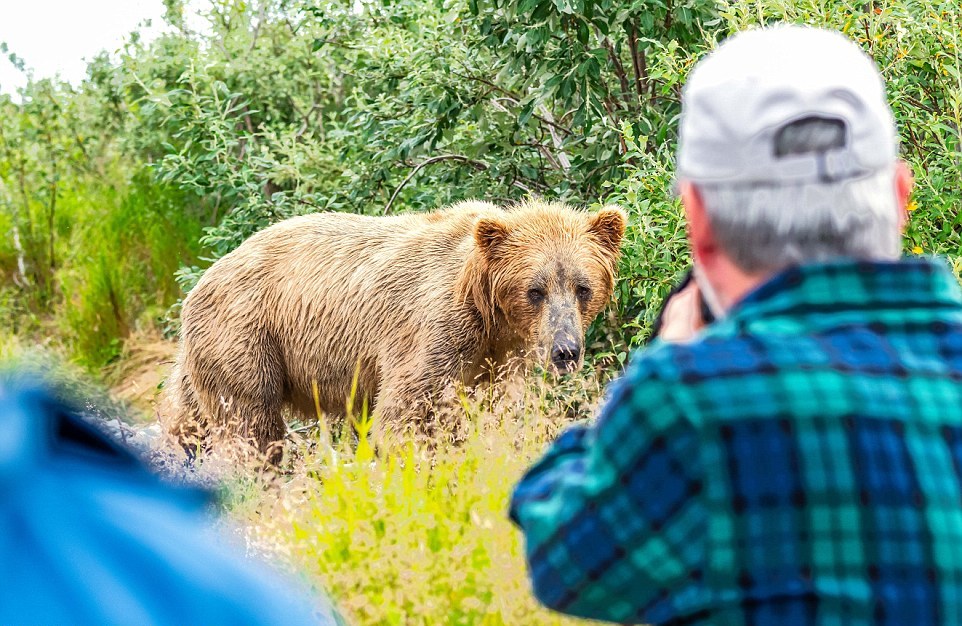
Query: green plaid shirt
{"x": 799, "y": 463}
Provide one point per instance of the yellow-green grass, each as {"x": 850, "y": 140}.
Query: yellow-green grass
{"x": 418, "y": 536}
{"x": 9, "y": 346}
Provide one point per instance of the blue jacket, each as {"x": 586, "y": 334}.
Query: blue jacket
{"x": 89, "y": 536}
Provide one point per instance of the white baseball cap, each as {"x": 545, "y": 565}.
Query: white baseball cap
{"x": 759, "y": 87}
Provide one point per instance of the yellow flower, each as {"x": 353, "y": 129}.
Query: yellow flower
{"x": 917, "y": 250}
{"x": 912, "y": 205}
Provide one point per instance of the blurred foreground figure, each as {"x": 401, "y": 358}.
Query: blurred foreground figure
{"x": 798, "y": 461}
{"x": 89, "y": 536}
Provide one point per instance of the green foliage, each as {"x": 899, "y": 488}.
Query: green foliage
{"x": 655, "y": 251}
{"x": 119, "y": 274}
{"x": 406, "y": 105}
{"x": 93, "y": 239}
{"x": 419, "y": 103}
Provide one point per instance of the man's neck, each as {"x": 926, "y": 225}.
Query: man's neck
{"x": 726, "y": 285}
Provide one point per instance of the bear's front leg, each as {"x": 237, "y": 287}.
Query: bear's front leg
{"x": 402, "y": 409}
{"x": 409, "y": 396}
{"x": 412, "y": 380}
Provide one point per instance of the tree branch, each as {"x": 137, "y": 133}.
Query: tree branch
{"x": 555, "y": 139}
{"x": 514, "y": 98}
{"x": 619, "y": 72}
{"x": 479, "y": 165}
{"x": 20, "y": 278}
{"x": 261, "y": 18}
{"x": 638, "y": 63}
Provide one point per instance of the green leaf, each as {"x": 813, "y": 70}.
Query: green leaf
{"x": 526, "y": 112}
{"x": 583, "y": 32}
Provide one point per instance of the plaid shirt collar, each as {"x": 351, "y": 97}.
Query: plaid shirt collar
{"x": 809, "y": 292}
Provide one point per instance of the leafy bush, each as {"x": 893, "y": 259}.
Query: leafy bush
{"x": 410, "y": 106}
{"x": 423, "y": 103}
{"x": 286, "y": 107}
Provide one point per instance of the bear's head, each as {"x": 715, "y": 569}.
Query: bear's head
{"x": 540, "y": 273}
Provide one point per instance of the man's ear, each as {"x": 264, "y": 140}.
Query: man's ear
{"x": 489, "y": 233}
{"x": 904, "y": 182}
{"x": 608, "y": 227}
{"x": 701, "y": 238}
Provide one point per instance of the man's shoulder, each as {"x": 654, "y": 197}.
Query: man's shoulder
{"x": 893, "y": 358}
{"x": 720, "y": 353}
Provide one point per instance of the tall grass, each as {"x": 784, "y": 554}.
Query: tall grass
{"x": 9, "y": 347}
{"x": 420, "y": 535}
{"x": 119, "y": 239}
{"x": 126, "y": 246}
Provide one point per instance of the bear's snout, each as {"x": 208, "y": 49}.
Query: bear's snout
{"x": 566, "y": 354}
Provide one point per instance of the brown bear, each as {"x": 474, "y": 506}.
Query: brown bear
{"x": 406, "y": 304}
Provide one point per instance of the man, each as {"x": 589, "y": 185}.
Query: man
{"x": 798, "y": 461}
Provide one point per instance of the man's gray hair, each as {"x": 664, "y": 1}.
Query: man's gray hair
{"x": 766, "y": 227}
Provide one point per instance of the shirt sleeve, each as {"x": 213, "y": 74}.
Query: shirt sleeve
{"x": 612, "y": 514}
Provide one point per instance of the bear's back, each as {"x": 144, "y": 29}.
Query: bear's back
{"x": 331, "y": 290}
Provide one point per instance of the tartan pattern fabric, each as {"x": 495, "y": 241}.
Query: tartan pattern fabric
{"x": 799, "y": 463}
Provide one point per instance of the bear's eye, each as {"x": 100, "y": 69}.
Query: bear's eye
{"x": 536, "y": 296}
{"x": 583, "y": 293}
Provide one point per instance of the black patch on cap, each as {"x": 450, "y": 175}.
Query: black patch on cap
{"x": 813, "y": 134}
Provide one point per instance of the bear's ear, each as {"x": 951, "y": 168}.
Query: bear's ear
{"x": 608, "y": 226}
{"x": 489, "y": 234}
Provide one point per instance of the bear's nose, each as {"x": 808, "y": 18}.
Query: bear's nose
{"x": 565, "y": 356}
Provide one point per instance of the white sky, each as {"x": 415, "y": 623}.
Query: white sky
{"x": 56, "y": 36}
